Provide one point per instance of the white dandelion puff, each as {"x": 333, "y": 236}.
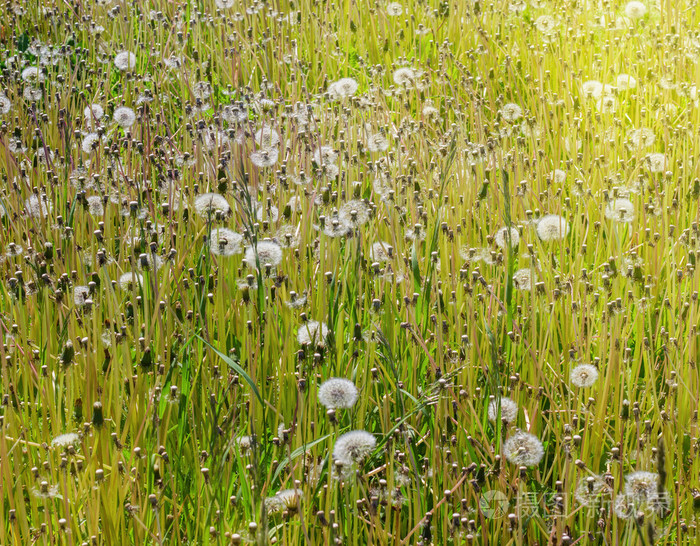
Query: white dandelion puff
{"x": 509, "y": 409}
{"x": 657, "y": 162}
{"x": 584, "y": 375}
{"x": 635, "y": 10}
{"x": 345, "y": 87}
{"x": 338, "y": 393}
{"x": 523, "y": 279}
{"x": 501, "y": 237}
{"x": 352, "y": 447}
{"x": 65, "y": 440}
{"x": 209, "y": 204}
{"x": 130, "y": 280}
{"x": 37, "y": 207}
{"x": 377, "y": 143}
{"x": 81, "y": 294}
{"x": 552, "y": 227}
{"x": 313, "y": 333}
{"x": 511, "y": 112}
{"x": 124, "y": 117}
{"x": 125, "y": 60}
{"x": 225, "y": 242}
{"x": 620, "y": 210}
{"x": 523, "y": 449}
{"x": 268, "y": 253}
{"x": 381, "y": 252}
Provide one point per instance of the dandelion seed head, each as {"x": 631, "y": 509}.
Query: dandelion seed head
{"x": 338, "y": 393}
{"x": 352, "y": 447}
{"x": 624, "y": 507}
{"x": 266, "y": 137}
{"x": 641, "y": 486}
{"x": 80, "y": 295}
{"x": 46, "y": 491}
{"x": 125, "y": 60}
{"x": 202, "y": 90}
{"x": 523, "y": 449}
{"x": 657, "y": 162}
{"x": 37, "y": 207}
{"x": 592, "y": 89}
{"x": 269, "y": 253}
{"x": 620, "y": 210}
{"x": 264, "y": 157}
{"x": 584, "y": 375}
{"x": 65, "y": 440}
{"x": 590, "y": 489}
{"x": 285, "y": 499}
{"x": 511, "y": 112}
{"x": 607, "y": 104}
{"x": 95, "y": 205}
{"x": 642, "y": 137}
{"x": 90, "y": 142}
{"x": 296, "y": 301}
{"x": 501, "y": 237}
{"x": 208, "y": 204}
{"x": 523, "y": 279}
{"x": 509, "y": 410}
{"x": 380, "y": 252}
{"x": 415, "y": 233}
{"x": 287, "y": 237}
{"x": 130, "y": 280}
{"x": 32, "y": 75}
{"x": 124, "y": 117}
{"x": 517, "y": 6}
{"x": 377, "y": 143}
{"x": 335, "y": 228}
{"x": 313, "y": 333}
{"x": 325, "y": 155}
{"x": 558, "y": 176}
{"x": 345, "y": 87}
{"x": 245, "y": 444}
{"x": 225, "y": 242}
{"x": 635, "y": 10}
{"x": 13, "y": 249}
{"x": 546, "y": 24}
{"x": 552, "y": 227}
{"x": 625, "y": 82}
{"x": 5, "y": 105}
{"x": 394, "y": 9}
{"x": 354, "y": 213}
{"x": 150, "y": 261}
{"x": 32, "y": 94}
{"x": 405, "y": 77}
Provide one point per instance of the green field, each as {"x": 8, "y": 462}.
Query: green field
{"x": 357, "y": 272}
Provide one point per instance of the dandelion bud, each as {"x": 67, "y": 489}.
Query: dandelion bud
{"x": 67, "y": 354}
{"x": 146, "y": 359}
{"x": 513, "y": 521}
{"x": 696, "y": 500}
{"x": 97, "y": 416}
{"x": 625, "y": 412}
{"x": 252, "y": 528}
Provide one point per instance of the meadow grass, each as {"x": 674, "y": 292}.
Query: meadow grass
{"x": 484, "y": 215}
